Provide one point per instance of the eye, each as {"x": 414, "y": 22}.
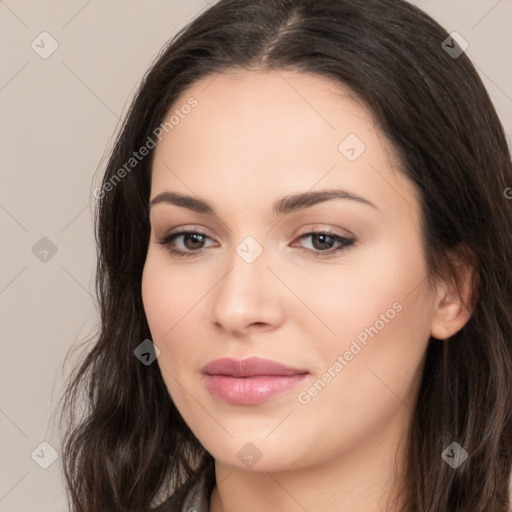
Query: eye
{"x": 323, "y": 243}
{"x": 192, "y": 243}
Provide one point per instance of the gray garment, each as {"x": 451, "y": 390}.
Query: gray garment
{"x": 196, "y": 499}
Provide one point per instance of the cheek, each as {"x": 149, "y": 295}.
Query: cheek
{"x": 364, "y": 292}
{"x": 173, "y": 297}
{"x": 168, "y": 294}
{"x": 368, "y": 373}
{"x": 379, "y": 307}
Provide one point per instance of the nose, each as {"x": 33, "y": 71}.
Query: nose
{"x": 248, "y": 298}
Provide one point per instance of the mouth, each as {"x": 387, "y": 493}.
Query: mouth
{"x": 250, "y": 381}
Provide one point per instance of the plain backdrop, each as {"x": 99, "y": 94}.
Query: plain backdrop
{"x": 59, "y": 113}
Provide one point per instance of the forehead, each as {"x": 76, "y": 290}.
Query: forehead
{"x": 284, "y": 110}
{"x": 254, "y": 133}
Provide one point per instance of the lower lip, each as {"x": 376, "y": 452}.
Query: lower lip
{"x": 250, "y": 390}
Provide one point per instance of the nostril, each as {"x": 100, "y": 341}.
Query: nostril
{"x": 258, "y": 324}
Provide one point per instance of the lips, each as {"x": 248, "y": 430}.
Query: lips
{"x": 249, "y": 367}
{"x": 250, "y": 381}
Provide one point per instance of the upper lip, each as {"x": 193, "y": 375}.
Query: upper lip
{"x": 249, "y": 367}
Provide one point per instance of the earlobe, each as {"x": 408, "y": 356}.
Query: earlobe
{"x": 455, "y": 301}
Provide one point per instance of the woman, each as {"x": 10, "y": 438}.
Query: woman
{"x": 304, "y": 274}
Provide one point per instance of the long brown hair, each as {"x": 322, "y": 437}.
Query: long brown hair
{"x": 128, "y": 447}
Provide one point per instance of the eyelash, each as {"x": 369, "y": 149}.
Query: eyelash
{"x": 344, "y": 242}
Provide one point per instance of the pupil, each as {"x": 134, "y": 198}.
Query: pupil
{"x": 197, "y": 240}
{"x": 323, "y": 241}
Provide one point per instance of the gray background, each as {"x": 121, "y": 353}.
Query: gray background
{"x": 58, "y": 118}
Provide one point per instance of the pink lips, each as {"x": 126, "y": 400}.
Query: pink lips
{"x": 249, "y": 381}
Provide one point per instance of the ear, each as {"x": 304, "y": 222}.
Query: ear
{"x": 456, "y": 297}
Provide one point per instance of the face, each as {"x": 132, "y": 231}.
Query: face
{"x": 302, "y": 246}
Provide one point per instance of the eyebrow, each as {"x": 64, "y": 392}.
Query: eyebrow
{"x": 282, "y": 206}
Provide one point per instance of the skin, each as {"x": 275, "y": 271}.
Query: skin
{"x": 254, "y": 137}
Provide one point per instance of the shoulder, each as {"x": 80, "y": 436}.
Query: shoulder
{"x": 190, "y": 498}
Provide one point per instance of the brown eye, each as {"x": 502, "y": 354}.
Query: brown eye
{"x": 192, "y": 243}
{"x": 323, "y": 244}
{"x": 193, "y": 240}
{"x": 185, "y": 243}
